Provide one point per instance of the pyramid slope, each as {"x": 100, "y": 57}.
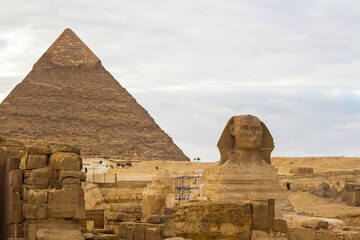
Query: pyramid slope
{"x": 71, "y": 98}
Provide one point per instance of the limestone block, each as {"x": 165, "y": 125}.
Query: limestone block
{"x": 37, "y": 161}
{"x": 130, "y": 232}
{"x": 326, "y": 236}
{"x": 48, "y": 148}
{"x": 71, "y": 181}
{"x": 152, "y": 234}
{"x": 36, "y": 196}
{"x": 59, "y": 230}
{"x": 280, "y": 225}
{"x": 72, "y": 174}
{"x": 41, "y": 172}
{"x": 35, "y": 211}
{"x": 301, "y": 234}
{"x": 16, "y": 177}
{"x": 89, "y": 236}
{"x": 259, "y": 235}
{"x": 105, "y": 237}
{"x": 154, "y": 219}
{"x": 206, "y": 220}
{"x": 13, "y": 163}
{"x": 38, "y": 181}
{"x": 38, "y": 186}
{"x": 67, "y": 203}
{"x": 139, "y": 232}
{"x": 315, "y": 224}
{"x": 122, "y": 230}
{"x": 64, "y": 161}
{"x": 102, "y": 231}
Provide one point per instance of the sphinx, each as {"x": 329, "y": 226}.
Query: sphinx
{"x": 245, "y": 139}
{"x": 244, "y": 171}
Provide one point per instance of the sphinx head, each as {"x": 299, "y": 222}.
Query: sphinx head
{"x": 245, "y": 132}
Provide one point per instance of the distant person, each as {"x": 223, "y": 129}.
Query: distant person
{"x": 157, "y": 168}
{"x": 85, "y": 170}
{"x": 100, "y": 162}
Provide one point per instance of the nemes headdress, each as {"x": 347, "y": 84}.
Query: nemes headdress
{"x": 227, "y": 141}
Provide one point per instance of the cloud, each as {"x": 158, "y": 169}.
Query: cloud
{"x": 193, "y": 64}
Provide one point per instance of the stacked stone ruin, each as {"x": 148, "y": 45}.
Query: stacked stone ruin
{"x": 46, "y": 179}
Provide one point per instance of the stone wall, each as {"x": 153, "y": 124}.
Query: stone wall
{"x": 351, "y": 193}
{"x": 306, "y": 181}
{"x": 48, "y": 179}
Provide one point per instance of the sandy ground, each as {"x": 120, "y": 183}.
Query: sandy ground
{"x": 311, "y": 205}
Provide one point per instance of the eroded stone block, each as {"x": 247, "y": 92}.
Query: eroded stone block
{"x": 64, "y": 161}
{"x": 315, "y": 224}
{"x": 38, "y": 181}
{"x": 72, "y": 174}
{"x": 41, "y": 172}
{"x": 35, "y": 211}
{"x": 280, "y": 225}
{"x": 154, "y": 219}
{"x": 37, "y": 161}
{"x": 301, "y": 234}
{"x": 38, "y": 187}
{"x": 67, "y": 203}
{"x": 139, "y": 232}
{"x": 152, "y": 234}
{"x": 36, "y": 196}
{"x": 71, "y": 181}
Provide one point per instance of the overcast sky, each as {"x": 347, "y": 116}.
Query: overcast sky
{"x": 194, "y": 64}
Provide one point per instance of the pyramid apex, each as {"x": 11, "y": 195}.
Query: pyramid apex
{"x": 68, "y": 50}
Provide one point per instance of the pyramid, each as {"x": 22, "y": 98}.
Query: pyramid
{"x": 70, "y": 97}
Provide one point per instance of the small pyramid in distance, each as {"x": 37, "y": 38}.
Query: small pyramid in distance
{"x": 70, "y": 97}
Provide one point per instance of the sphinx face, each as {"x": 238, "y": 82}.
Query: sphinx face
{"x": 247, "y": 132}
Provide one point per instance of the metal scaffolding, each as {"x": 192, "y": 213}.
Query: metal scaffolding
{"x": 183, "y": 187}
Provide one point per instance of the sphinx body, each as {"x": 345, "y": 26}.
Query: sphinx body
{"x": 245, "y": 171}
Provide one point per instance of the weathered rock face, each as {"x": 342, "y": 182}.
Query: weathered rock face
{"x": 211, "y": 220}
{"x": 47, "y": 179}
{"x": 158, "y": 195}
{"x": 69, "y": 97}
{"x": 245, "y": 171}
